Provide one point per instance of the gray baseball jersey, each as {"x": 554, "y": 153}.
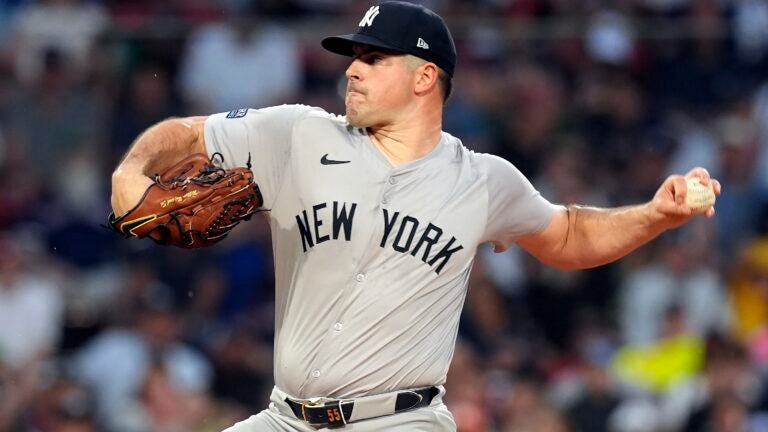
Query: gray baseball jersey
{"x": 371, "y": 260}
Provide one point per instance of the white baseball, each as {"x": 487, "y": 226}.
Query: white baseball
{"x": 699, "y": 197}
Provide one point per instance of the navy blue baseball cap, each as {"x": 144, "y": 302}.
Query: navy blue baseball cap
{"x": 401, "y": 27}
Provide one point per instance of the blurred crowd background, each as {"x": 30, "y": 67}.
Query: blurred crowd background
{"x": 595, "y": 101}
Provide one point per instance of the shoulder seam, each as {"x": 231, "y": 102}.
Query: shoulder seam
{"x": 290, "y": 145}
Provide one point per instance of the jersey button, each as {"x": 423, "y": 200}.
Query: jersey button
{"x": 384, "y": 200}
{"x": 338, "y": 326}
{"x": 392, "y": 180}
{"x": 360, "y": 277}
{"x": 316, "y": 373}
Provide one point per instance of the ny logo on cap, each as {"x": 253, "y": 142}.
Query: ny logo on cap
{"x": 369, "y": 17}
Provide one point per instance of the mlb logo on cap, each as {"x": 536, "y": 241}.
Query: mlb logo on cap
{"x": 402, "y": 27}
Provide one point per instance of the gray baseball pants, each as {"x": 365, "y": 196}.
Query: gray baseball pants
{"x": 279, "y": 418}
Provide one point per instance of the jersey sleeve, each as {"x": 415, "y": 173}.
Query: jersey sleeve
{"x": 515, "y": 207}
{"x": 263, "y": 134}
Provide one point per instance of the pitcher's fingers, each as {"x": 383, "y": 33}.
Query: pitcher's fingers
{"x": 679, "y": 189}
{"x": 716, "y": 186}
{"x": 699, "y": 172}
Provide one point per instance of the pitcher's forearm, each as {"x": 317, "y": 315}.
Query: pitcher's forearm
{"x": 162, "y": 145}
{"x": 157, "y": 148}
{"x": 583, "y": 237}
{"x": 598, "y": 236}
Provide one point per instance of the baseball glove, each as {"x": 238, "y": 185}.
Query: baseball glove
{"x": 193, "y": 204}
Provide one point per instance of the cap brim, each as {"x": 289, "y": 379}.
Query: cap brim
{"x": 343, "y": 44}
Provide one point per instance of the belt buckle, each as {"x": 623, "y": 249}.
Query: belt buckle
{"x": 310, "y": 403}
{"x": 334, "y": 413}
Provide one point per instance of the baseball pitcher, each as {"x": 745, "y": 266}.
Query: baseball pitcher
{"x": 376, "y": 217}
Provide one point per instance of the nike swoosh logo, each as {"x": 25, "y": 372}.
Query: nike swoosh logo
{"x": 129, "y": 227}
{"x": 325, "y": 161}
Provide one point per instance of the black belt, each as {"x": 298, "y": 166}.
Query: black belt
{"x": 336, "y": 413}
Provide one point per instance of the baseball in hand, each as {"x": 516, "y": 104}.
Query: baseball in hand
{"x": 699, "y": 197}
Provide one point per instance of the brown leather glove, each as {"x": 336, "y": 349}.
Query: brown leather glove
{"x": 192, "y": 204}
